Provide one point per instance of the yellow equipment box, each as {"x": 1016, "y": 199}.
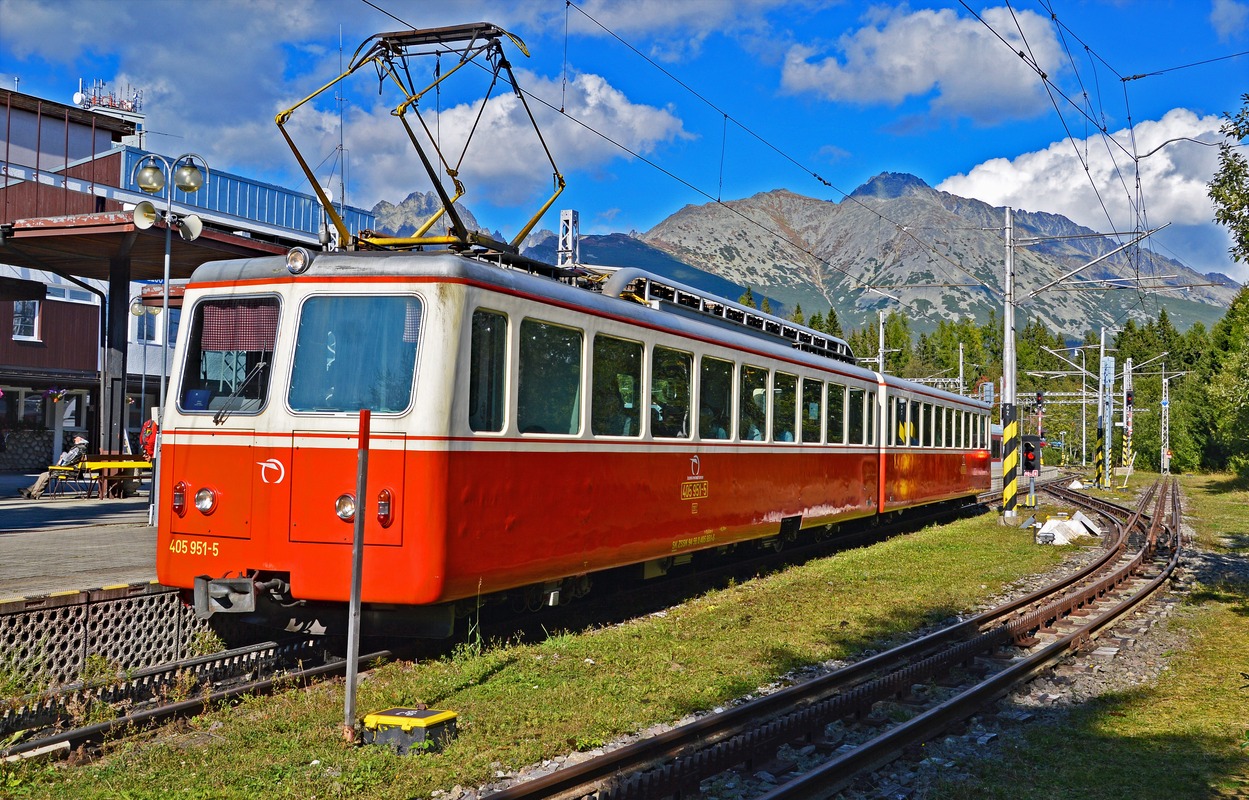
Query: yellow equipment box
{"x": 410, "y": 729}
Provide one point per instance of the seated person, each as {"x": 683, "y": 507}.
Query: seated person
{"x": 68, "y": 459}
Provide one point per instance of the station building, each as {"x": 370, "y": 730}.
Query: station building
{"x": 82, "y": 333}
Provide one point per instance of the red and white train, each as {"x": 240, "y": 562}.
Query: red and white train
{"x": 530, "y": 426}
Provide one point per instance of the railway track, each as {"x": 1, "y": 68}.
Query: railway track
{"x": 879, "y": 707}
{"x": 174, "y": 690}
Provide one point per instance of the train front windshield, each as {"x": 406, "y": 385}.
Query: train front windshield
{"x": 351, "y": 352}
{"x": 230, "y": 355}
{"x": 355, "y": 352}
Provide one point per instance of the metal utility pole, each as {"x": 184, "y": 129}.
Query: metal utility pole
{"x": 1165, "y": 426}
{"x": 880, "y": 346}
{"x": 1010, "y": 424}
{"x": 1105, "y": 417}
{"x": 1126, "y": 455}
{"x": 960, "y": 368}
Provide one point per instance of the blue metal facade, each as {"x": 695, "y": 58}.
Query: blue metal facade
{"x": 251, "y": 199}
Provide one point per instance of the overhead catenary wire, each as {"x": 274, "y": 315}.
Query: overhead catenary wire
{"x": 798, "y": 247}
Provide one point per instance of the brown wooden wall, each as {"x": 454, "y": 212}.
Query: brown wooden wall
{"x": 70, "y": 338}
{"x": 30, "y": 200}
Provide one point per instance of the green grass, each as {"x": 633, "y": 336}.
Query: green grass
{"x": 519, "y": 704}
{"x": 1185, "y": 736}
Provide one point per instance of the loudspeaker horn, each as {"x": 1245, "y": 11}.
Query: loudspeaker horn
{"x": 144, "y": 215}
{"x": 190, "y": 227}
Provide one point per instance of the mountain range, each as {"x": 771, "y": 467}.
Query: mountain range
{"x": 893, "y": 244}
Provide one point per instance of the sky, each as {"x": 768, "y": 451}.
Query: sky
{"x": 649, "y": 105}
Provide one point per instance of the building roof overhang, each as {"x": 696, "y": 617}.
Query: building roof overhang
{"x": 85, "y": 245}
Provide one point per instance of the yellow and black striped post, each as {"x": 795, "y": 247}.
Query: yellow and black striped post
{"x": 1010, "y": 459}
{"x": 1100, "y": 458}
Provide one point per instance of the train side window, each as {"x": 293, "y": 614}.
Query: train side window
{"x": 941, "y": 412}
{"x": 487, "y": 371}
{"x": 870, "y": 412}
{"x": 715, "y": 398}
{"x": 784, "y": 398}
{"x": 752, "y": 404}
{"x": 906, "y": 423}
{"x": 812, "y": 409}
{"x": 930, "y": 423}
{"x": 617, "y": 374}
{"x": 230, "y": 354}
{"x": 342, "y": 365}
{"x": 855, "y": 417}
{"x": 670, "y": 393}
{"x": 548, "y": 389}
{"x": 837, "y": 414}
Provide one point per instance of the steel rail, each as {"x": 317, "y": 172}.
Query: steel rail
{"x": 67, "y": 740}
{"x": 830, "y": 776}
{"x": 52, "y": 708}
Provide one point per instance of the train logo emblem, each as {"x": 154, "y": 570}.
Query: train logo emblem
{"x": 694, "y": 487}
{"x": 271, "y": 464}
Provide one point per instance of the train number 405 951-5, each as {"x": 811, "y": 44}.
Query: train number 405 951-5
{"x": 192, "y": 547}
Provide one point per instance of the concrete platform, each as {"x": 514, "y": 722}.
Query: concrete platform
{"x": 67, "y": 544}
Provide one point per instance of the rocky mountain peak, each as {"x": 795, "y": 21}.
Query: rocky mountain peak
{"x": 892, "y": 186}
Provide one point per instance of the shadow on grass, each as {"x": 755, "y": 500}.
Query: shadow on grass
{"x": 1236, "y": 483}
{"x": 1097, "y": 750}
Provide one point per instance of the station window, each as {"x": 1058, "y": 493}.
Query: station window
{"x": 229, "y": 357}
{"x": 837, "y": 414}
{"x": 26, "y": 319}
{"x": 812, "y": 409}
{"x": 784, "y": 401}
{"x": 617, "y": 375}
{"x": 752, "y": 405}
{"x": 487, "y": 368}
{"x": 855, "y": 417}
{"x": 715, "y": 398}
{"x": 548, "y": 388}
{"x": 670, "y": 393}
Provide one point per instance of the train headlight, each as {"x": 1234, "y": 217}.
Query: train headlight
{"x": 206, "y": 501}
{"x": 385, "y": 514}
{"x": 298, "y": 260}
{"x": 179, "y": 498}
{"x": 345, "y": 507}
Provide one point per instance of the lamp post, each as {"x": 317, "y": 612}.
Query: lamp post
{"x": 138, "y": 309}
{"x": 150, "y": 173}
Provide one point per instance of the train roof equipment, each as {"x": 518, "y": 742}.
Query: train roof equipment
{"x": 389, "y": 54}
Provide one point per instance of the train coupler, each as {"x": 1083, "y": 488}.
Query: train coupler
{"x": 223, "y": 595}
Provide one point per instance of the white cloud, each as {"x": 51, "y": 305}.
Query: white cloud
{"x": 1173, "y": 178}
{"x": 956, "y": 61}
{"x": 1229, "y": 18}
{"x": 504, "y": 163}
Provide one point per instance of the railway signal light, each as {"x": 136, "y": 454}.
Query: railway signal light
{"x": 1040, "y": 398}
{"x": 1129, "y": 398}
{"x": 1032, "y": 455}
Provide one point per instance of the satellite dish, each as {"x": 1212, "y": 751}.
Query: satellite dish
{"x": 144, "y": 215}
{"x": 329, "y": 193}
{"x": 190, "y": 227}
{"x": 79, "y": 98}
